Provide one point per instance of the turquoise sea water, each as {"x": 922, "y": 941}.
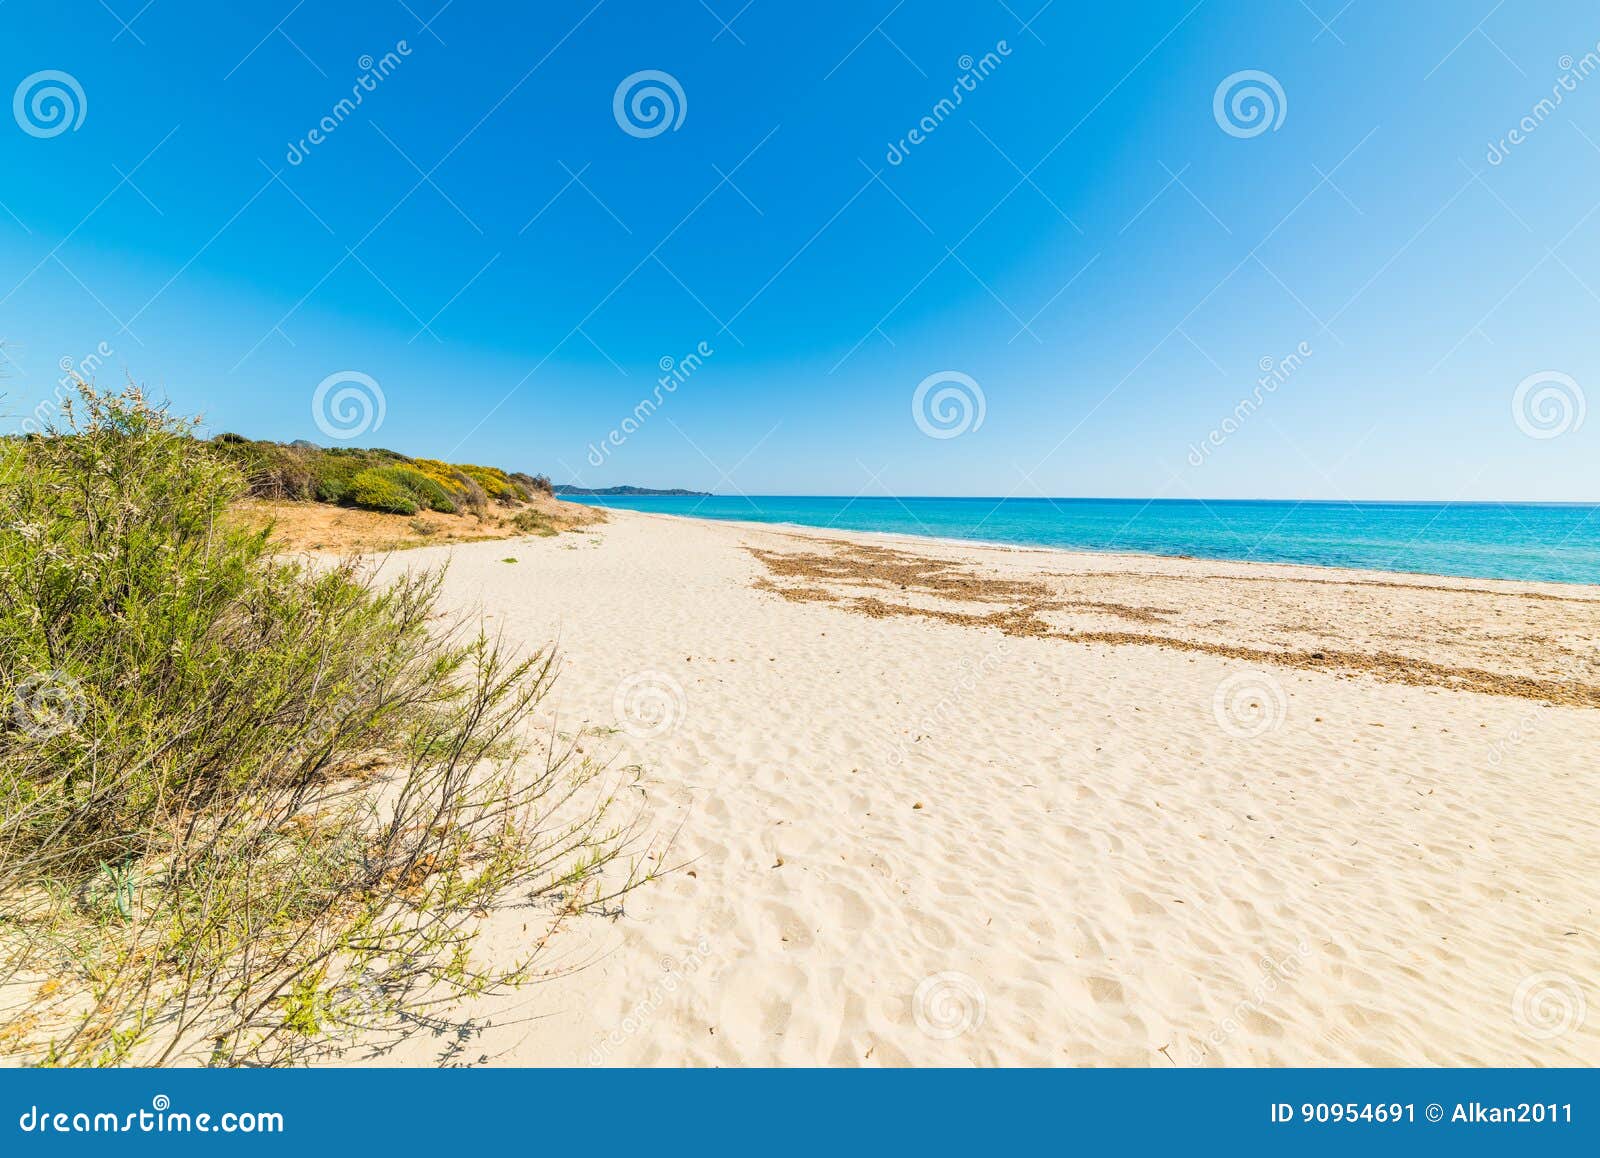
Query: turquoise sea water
{"x": 1550, "y": 541}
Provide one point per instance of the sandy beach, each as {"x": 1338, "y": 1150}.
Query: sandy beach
{"x": 952, "y": 804}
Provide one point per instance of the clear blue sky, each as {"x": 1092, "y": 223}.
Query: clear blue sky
{"x": 1081, "y": 236}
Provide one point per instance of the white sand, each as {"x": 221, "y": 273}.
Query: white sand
{"x": 1100, "y": 871}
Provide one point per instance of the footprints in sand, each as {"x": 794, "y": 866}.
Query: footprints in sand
{"x": 1124, "y": 886}
{"x": 1142, "y": 904}
{"x": 1104, "y": 990}
{"x": 849, "y": 909}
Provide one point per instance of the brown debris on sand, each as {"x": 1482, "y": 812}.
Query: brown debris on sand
{"x": 1426, "y": 635}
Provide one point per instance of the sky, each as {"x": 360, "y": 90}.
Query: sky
{"x": 1070, "y": 282}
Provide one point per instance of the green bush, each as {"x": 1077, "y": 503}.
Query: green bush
{"x": 375, "y": 490}
{"x": 335, "y": 476}
{"x": 495, "y": 483}
{"x": 274, "y": 471}
{"x": 472, "y": 497}
{"x": 247, "y": 805}
{"x": 303, "y": 471}
{"x": 422, "y": 488}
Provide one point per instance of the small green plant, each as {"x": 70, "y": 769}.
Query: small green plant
{"x": 121, "y": 879}
{"x": 533, "y": 522}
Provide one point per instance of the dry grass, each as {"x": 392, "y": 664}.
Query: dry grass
{"x": 320, "y": 527}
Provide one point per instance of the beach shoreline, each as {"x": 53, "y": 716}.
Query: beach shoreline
{"x": 1533, "y": 542}
{"x": 948, "y": 803}
{"x": 1286, "y": 570}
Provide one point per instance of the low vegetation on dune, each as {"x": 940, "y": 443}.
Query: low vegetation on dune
{"x": 376, "y": 480}
{"x": 317, "y": 498}
{"x": 250, "y": 806}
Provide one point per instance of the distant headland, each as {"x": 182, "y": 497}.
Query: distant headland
{"x": 565, "y": 489}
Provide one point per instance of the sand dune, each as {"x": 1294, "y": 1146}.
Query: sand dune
{"x": 972, "y": 811}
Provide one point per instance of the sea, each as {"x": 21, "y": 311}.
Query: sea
{"x": 1556, "y": 542}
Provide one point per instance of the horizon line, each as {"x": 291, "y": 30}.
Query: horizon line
{"x": 1089, "y": 499}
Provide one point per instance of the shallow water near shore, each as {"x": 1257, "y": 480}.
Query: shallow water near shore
{"x": 1555, "y": 542}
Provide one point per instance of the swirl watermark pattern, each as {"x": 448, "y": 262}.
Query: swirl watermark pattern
{"x": 49, "y": 103}
{"x": 348, "y": 404}
{"x": 1248, "y": 103}
{"x": 1547, "y": 1005}
{"x": 648, "y": 103}
{"x": 649, "y": 704}
{"x": 947, "y": 1005}
{"x": 1548, "y": 404}
{"x": 948, "y": 404}
{"x": 1249, "y": 704}
{"x": 47, "y": 704}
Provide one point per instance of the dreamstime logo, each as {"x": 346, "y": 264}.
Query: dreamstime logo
{"x": 973, "y": 73}
{"x": 947, "y": 1005}
{"x": 675, "y": 974}
{"x": 348, "y": 404}
{"x": 1548, "y": 404}
{"x": 373, "y": 73}
{"x": 1248, "y": 103}
{"x": 1525, "y": 729}
{"x": 649, "y": 704}
{"x": 156, "y": 1120}
{"x": 74, "y": 372}
{"x": 1573, "y": 72}
{"x": 1275, "y": 972}
{"x": 1274, "y": 373}
{"x": 335, "y": 715}
{"x": 1547, "y": 1005}
{"x": 648, "y": 103}
{"x": 674, "y": 373}
{"x": 357, "y": 1003}
{"x": 47, "y": 704}
{"x": 56, "y": 104}
{"x": 947, "y": 404}
{"x": 971, "y": 676}
{"x": 1249, "y": 704}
